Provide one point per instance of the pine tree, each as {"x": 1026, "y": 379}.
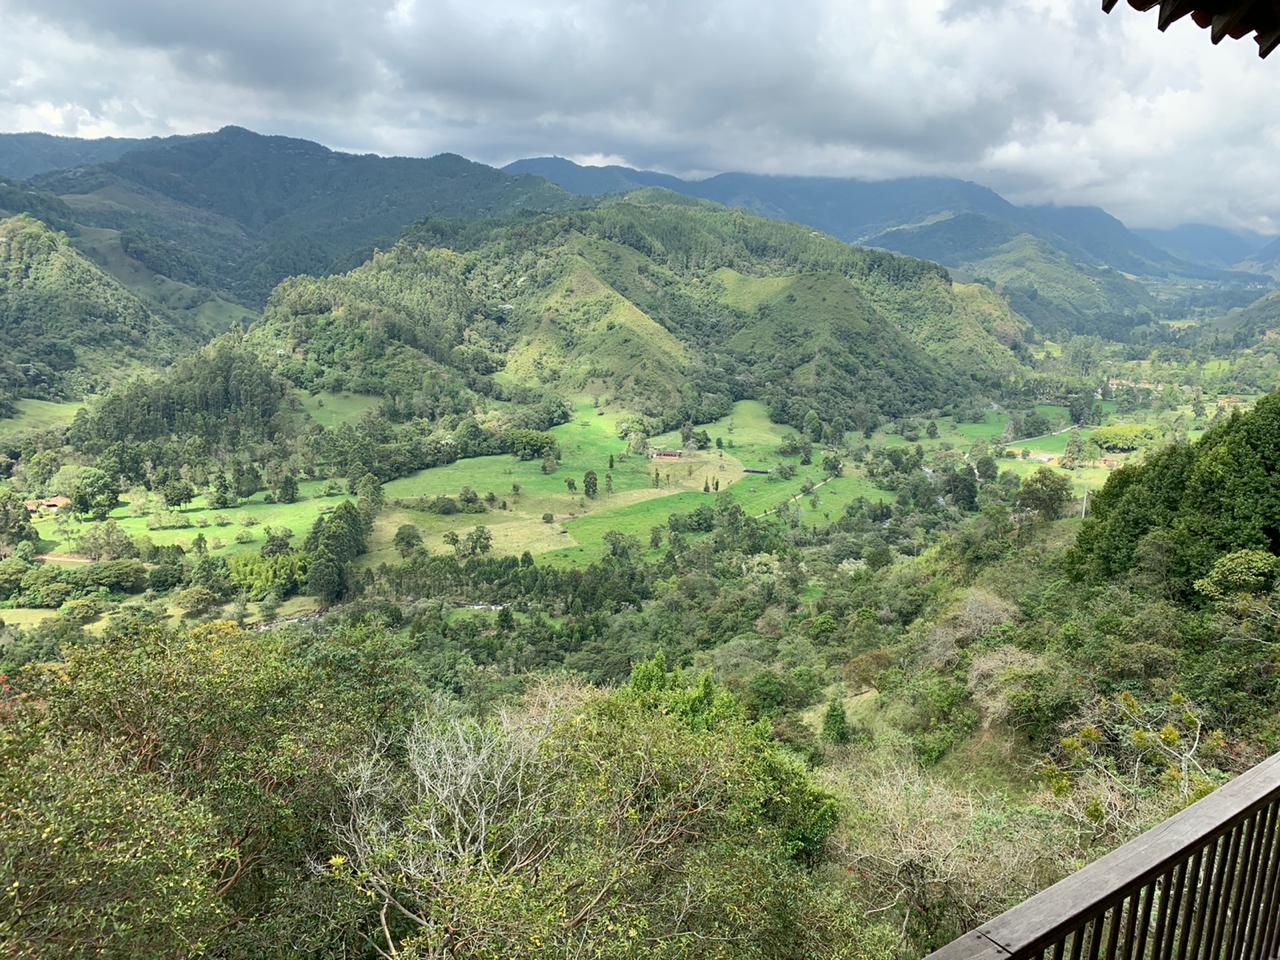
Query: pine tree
{"x": 835, "y": 723}
{"x": 1073, "y": 456}
{"x": 223, "y": 497}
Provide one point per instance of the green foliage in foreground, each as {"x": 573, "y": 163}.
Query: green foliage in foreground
{"x": 163, "y": 793}
{"x": 1189, "y": 505}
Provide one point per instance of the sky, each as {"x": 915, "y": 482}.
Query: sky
{"x": 1042, "y": 100}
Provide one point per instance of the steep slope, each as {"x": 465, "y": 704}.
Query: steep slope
{"x": 675, "y": 307}
{"x": 24, "y": 155}
{"x": 1057, "y": 294}
{"x": 160, "y": 273}
{"x": 861, "y": 210}
{"x": 1088, "y": 266}
{"x": 1207, "y": 245}
{"x": 1265, "y": 261}
{"x": 1198, "y": 502}
{"x": 592, "y": 181}
{"x": 18, "y": 198}
{"x": 68, "y": 328}
{"x": 396, "y": 327}
{"x": 1249, "y": 326}
{"x": 253, "y": 209}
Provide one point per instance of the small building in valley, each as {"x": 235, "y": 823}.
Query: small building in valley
{"x": 47, "y": 505}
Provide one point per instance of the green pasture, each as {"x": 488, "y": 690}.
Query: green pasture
{"x": 333, "y": 409}
{"x": 59, "y": 534}
{"x": 39, "y": 415}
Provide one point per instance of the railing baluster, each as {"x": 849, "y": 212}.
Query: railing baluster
{"x": 1207, "y": 880}
{"x": 1189, "y": 911}
{"x": 1158, "y": 951}
{"x": 1095, "y": 941}
{"x": 1144, "y": 928}
{"x": 1244, "y": 875}
{"x": 1077, "y": 943}
{"x": 1245, "y": 910}
{"x": 1130, "y": 924}
{"x": 1113, "y": 928}
{"x": 1265, "y": 923}
{"x": 1059, "y": 948}
{"x": 1271, "y": 916}
{"x": 1180, "y": 889}
{"x": 1223, "y": 898}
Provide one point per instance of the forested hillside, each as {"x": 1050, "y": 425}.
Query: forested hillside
{"x": 655, "y": 304}
{"x": 1074, "y": 269}
{"x": 400, "y": 559}
{"x": 24, "y": 155}
{"x": 251, "y": 210}
{"x": 68, "y": 327}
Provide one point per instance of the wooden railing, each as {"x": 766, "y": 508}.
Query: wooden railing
{"x": 1203, "y": 885}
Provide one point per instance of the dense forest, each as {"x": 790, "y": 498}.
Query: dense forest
{"x": 522, "y": 574}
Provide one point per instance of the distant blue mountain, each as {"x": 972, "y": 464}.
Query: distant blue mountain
{"x": 876, "y": 213}
{"x": 1209, "y": 245}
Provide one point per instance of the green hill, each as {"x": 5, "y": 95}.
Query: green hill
{"x": 1053, "y": 291}
{"x": 249, "y": 210}
{"x": 1189, "y": 505}
{"x": 674, "y": 307}
{"x": 68, "y": 327}
{"x": 29, "y": 154}
{"x": 1087, "y": 269}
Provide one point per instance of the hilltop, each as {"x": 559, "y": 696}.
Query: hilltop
{"x": 1082, "y": 270}
{"x": 247, "y": 210}
{"x": 69, "y": 327}
{"x": 674, "y": 308}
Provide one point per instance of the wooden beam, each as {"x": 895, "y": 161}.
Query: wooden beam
{"x": 1224, "y": 23}
{"x": 1172, "y": 11}
{"x": 1109, "y": 5}
{"x": 1070, "y": 903}
{"x": 1268, "y": 42}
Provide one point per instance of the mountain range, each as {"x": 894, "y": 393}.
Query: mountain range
{"x": 956, "y": 222}
{"x": 607, "y": 275}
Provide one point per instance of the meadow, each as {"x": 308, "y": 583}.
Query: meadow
{"x": 537, "y": 512}
{"x": 39, "y": 415}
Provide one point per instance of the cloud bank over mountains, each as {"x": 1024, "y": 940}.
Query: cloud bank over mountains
{"x": 1041, "y": 100}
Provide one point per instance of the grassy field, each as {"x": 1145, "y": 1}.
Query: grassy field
{"x": 333, "y": 409}
{"x": 58, "y": 535}
{"x": 39, "y": 415}
{"x": 203, "y": 313}
{"x": 579, "y": 524}
{"x": 576, "y": 533}
{"x": 537, "y": 512}
{"x": 25, "y": 616}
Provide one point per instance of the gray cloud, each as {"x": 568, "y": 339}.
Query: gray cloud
{"x": 1041, "y": 100}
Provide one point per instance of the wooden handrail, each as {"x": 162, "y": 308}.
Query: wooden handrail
{"x": 1202, "y": 885}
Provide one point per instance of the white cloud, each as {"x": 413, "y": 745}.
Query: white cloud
{"x": 1041, "y": 100}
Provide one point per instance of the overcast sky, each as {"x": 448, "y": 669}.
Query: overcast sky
{"x": 1043, "y": 100}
